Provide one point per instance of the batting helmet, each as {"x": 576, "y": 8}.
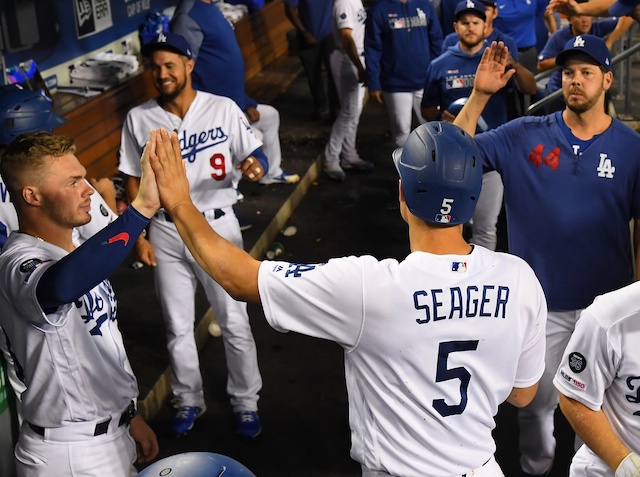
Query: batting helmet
{"x": 196, "y": 464}
{"x": 24, "y": 111}
{"x": 456, "y": 106}
{"x": 441, "y": 171}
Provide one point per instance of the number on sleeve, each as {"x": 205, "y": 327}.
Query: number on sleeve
{"x": 443, "y": 373}
{"x": 219, "y": 166}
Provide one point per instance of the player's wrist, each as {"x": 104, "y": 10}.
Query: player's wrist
{"x": 629, "y": 467}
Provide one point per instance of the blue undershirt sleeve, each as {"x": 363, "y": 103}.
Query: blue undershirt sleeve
{"x": 91, "y": 263}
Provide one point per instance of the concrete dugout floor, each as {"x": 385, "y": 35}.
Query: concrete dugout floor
{"x": 303, "y": 404}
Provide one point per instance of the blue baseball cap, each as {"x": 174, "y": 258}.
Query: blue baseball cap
{"x": 590, "y": 45}
{"x": 168, "y": 42}
{"x": 470, "y": 6}
{"x": 623, "y": 7}
{"x": 489, "y": 3}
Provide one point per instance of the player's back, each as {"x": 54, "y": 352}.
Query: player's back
{"x": 444, "y": 340}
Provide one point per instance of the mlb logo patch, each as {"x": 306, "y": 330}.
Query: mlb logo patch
{"x": 443, "y": 219}
{"x": 459, "y": 267}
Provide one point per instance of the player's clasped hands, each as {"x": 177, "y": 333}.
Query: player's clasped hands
{"x": 492, "y": 74}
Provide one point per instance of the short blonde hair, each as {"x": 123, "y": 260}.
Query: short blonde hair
{"x": 22, "y": 161}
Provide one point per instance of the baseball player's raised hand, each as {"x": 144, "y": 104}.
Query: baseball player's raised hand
{"x": 251, "y": 169}
{"x": 492, "y": 74}
{"x": 146, "y": 441}
{"x": 166, "y": 161}
{"x": 147, "y": 201}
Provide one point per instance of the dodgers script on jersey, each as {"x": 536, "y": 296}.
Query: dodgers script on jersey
{"x": 601, "y": 365}
{"x": 423, "y": 339}
{"x": 204, "y": 134}
{"x": 569, "y": 204}
{"x": 42, "y": 342}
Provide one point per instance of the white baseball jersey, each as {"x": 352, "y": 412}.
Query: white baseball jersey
{"x": 349, "y": 14}
{"x": 204, "y": 134}
{"x": 601, "y": 364}
{"x": 73, "y": 360}
{"x": 433, "y": 345}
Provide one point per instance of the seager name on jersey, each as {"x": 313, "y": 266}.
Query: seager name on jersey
{"x": 192, "y": 144}
{"x": 486, "y": 301}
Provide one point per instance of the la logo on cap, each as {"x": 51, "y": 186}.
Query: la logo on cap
{"x": 470, "y": 4}
{"x": 579, "y": 42}
{"x": 162, "y": 38}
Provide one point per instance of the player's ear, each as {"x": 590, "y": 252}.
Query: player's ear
{"x": 190, "y": 65}
{"x": 608, "y": 80}
{"x": 401, "y": 192}
{"x": 31, "y": 196}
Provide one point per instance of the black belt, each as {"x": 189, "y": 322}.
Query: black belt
{"x": 524, "y": 50}
{"x": 101, "y": 427}
{"x": 217, "y": 213}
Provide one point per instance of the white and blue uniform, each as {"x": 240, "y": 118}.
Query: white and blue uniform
{"x": 101, "y": 216}
{"x": 601, "y": 370}
{"x": 342, "y": 140}
{"x": 395, "y": 29}
{"x": 568, "y": 204}
{"x": 214, "y": 139}
{"x": 432, "y": 346}
{"x": 74, "y": 368}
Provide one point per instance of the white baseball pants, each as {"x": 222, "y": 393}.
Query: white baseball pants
{"x": 342, "y": 141}
{"x": 485, "y": 217}
{"x": 490, "y": 469}
{"x": 175, "y": 276}
{"x": 267, "y": 128}
{"x": 537, "y": 443}
{"x": 399, "y": 106}
{"x": 112, "y": 453}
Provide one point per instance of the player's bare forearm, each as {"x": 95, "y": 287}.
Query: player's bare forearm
{"x": 594, "y": 429}
{"x": 232, "y": 267}
{"x": 546, "y": 64}
{"x": 520, "y": 397}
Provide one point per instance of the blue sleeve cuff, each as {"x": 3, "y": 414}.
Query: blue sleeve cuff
{"x": 262, "y": 159}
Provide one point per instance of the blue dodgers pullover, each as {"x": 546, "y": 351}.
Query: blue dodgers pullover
{"x": 219, "y": 64}
{"x": 315, "y": 15}
{"x": 401, "y": 39}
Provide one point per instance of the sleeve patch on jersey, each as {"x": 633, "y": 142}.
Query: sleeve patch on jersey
{"x": 459, "y": 267}
{"x": 573, "y": 381}
{"x": 28, "y": 266}
{"x": 577, "y": 362}
{"x": 343, "y": 16}
{"x": 103, "y": 211}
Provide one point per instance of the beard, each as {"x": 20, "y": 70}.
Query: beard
{"x": 173, "y": 91}
{"x": 583, "y": 104}
{"x": 471, "y": 45}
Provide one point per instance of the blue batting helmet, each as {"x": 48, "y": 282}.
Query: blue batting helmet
{"x": 24, "y": 111}
{"x": 196, "y": 464}
{"x": 456, "y": 106}
{"x": 440, "y": 167}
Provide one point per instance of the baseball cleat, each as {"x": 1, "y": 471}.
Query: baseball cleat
{"x": 184, "y": 419}
{"x": 248, "y": 424}
{"x": 283, "y": 178}
{"x": 335, "y": 172}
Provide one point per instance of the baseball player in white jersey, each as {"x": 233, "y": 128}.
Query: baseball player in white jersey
{"x": 433, "y": 344}
{"x": 599, "y": 383}
{"x": 216, "y": 141}
{"x": 59, "y": 318}
{"x": 347, "y": 68}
